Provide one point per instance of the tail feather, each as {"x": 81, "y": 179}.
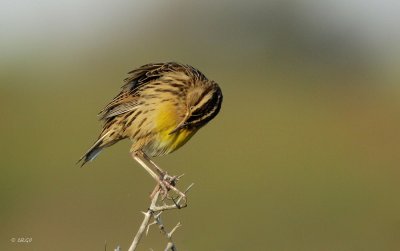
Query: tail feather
{"x": 94, "y": 150}
{"x": 90, "y": 155}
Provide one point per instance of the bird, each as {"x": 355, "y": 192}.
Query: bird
{"x": 159, "y": 108}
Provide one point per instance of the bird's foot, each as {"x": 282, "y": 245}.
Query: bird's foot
{"x": 167, "y": 183}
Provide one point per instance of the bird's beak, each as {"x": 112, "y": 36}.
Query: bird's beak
{"x": 182, "y": 123}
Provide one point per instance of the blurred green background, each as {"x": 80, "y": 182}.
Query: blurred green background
{"x": 303, "y": 156}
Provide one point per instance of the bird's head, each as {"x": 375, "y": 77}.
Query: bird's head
{"x": 203, "y": 102}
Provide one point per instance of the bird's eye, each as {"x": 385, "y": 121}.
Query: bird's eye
{"x": 191, "y": 108}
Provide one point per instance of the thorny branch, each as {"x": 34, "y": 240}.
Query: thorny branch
{"x": 155, "y": 212}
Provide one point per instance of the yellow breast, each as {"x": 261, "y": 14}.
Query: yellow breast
{"x": 167, "y": 117}
{"x": 166, "y": 120}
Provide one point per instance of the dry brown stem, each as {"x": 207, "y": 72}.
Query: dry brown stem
{"x": 155, "y": 212}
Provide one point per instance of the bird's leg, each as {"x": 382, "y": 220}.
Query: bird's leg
{"x": 159, "y": 170}
{"x": 171, "y": 179}
{"x": 165, "y": 181}
{"x": 139, "y": 157}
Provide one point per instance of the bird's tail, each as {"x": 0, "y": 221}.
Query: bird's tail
{"x": 94, "y": 150}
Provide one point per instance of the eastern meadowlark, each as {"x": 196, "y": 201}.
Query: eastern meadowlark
{"x": 160, "y": 107}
